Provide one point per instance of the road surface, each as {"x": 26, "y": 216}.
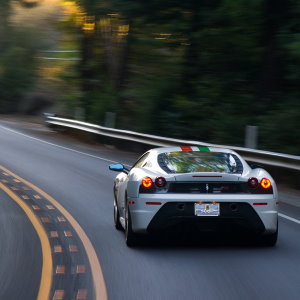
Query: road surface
{"x": 76, "y": 177}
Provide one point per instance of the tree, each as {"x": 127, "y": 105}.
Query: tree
{"x": 199, "y": 69}
{"x": 18, "y": 49}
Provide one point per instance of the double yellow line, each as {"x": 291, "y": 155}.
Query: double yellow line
{"x": 47, "y": 268}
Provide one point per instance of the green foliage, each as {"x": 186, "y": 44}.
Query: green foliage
{"x": 100, "y": 103}
{"x": 280, "y": 128}
{"x": 18, "y": 67}
{"x": 195, "y": 69}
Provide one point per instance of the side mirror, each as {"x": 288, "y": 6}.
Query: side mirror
{"x": 118, "y": 168}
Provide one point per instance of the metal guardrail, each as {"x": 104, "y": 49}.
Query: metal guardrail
{"x": 257, "y": 156}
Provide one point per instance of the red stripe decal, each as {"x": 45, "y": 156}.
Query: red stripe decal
{"x": 260, "y": 203}
{"x": 186, "y": 148}
{"x": 153, "y": 203}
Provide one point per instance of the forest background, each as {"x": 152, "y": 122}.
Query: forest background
{"x": 194, "y": 69}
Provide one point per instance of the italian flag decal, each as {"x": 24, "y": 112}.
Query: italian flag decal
{"x": 199, "y": 148}
{"x": 203, "y": 149}
{"x": 186, "y": 148}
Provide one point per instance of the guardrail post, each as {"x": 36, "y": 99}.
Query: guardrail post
{"x": 251, "y": 137}
{"x": 79, "y": 114}
{"x": 110, "y": 119}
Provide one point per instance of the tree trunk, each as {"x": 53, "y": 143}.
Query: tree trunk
{"x": 270, "y": 77}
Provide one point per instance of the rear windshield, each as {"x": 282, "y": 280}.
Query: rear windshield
{"x": 196, "y": 161}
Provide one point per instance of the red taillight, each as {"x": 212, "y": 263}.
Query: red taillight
{"x": 265, "y": 183}
{"x": 253, "y": 182}
{"x": 147, "y": 182}
{"x": 160, "y": 181}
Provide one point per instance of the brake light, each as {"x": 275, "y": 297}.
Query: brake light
{"x": 265, "y": 183}
{"x": 253, "y": 182}
{"x": 147, "y": 182}
{"x": 160, "y": 181}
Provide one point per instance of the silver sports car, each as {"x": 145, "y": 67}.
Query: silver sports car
{"x": 201, "y": 188}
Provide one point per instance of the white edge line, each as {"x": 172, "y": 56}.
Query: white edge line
{"x": 58, "y": 146}
{"x": 289, "y": 218}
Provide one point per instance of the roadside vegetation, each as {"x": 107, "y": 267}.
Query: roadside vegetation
{"x": 194, "y": 69}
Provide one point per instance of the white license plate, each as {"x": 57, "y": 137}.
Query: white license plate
{"x": 207, "y": 209}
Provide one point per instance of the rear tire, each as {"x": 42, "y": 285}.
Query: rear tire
{"x": 117, "y": 222}
{"x": 269, "y": 240}
{"x": 130, "y": 237}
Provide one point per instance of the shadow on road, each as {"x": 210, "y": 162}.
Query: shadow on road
{"x": 207, "y": 240}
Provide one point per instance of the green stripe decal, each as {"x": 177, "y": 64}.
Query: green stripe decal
{"x": 203, "y": 149}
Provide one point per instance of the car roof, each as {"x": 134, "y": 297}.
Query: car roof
{"x": 191, "y": 148}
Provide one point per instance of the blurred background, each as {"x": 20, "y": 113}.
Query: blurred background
{"x": 194, "y": 69}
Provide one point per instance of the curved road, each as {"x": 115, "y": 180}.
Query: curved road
{"x": 76, "y": 175}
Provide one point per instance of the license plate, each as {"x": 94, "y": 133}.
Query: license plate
{"x": 207, "y": 209}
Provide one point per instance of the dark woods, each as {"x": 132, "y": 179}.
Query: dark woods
{"x": 195, "y": 69}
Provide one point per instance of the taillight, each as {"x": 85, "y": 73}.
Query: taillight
{"x": 160, "y": 181}
{"x": 265, "y": 183}
{"x": 147, "y": 182}
{"x": 253, "y": 182}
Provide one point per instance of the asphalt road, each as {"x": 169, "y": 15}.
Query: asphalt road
{"x": 20, "y": 253}
{"x": 79, "y": 180}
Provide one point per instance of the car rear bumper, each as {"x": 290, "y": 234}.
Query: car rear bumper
{"x": 232, "y": 216}
{"x": 256, "y": 213}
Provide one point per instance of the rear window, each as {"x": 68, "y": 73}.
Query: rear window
{"x": 196, "y": 161}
